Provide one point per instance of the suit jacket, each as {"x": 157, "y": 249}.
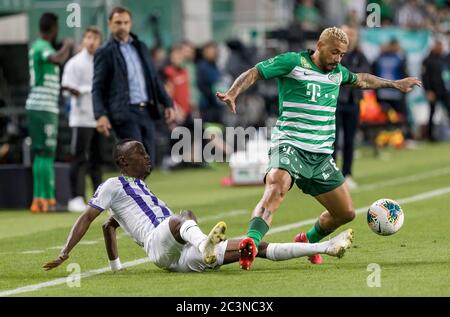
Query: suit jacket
{"x": 356, "y": 62}
{"x": 110, "y": 91}
{"x": 432, "y": 74}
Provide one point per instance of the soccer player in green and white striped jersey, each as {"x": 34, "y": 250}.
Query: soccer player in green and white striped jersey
{"x": 42, "y": 109}
{"x": 302, "y": 140}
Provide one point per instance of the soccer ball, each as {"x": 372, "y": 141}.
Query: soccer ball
{"x": 385, "y": 217}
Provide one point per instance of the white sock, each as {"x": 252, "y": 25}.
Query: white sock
{"x": 190, "y": 232}
{"x": 286, "y": 251}
{"x": 221, "y": 249}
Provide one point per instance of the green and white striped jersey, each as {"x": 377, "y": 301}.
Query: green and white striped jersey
{"x": 44, "y": 78}
{"x": 307, "y": 100}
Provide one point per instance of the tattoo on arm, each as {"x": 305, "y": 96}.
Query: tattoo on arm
{"x": 369, "y": 81}
{"x": 245, "y": 80}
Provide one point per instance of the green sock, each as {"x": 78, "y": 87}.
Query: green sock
{"x": 257, "y": 229}
{"x": 49, "y": 177}
{"x": 316, "y": 233}
{"x": 37, "y": 177}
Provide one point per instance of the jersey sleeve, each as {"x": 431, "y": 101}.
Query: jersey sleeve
{"x": 44, "y": 51}
{"x": 103, "y": 196}
{"x": 347, "y": 76}
{"x": 278, "y": 66}
{"x": 70, "y": 76}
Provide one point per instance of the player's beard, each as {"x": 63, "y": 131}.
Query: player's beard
{"x": 148, "y": 171}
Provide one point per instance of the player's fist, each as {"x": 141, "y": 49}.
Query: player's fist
{"x": 229, "y": 100}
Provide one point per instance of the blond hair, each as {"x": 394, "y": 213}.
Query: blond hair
{"x": 333, "y": 33}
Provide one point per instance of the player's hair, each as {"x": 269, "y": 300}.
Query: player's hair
{"x": 335, "y": 34}
{"x": 118, "y": 150}
{"x": 119, "y": 10}
{"x": 93, "y": 29}
{"x": 47, "y": 21}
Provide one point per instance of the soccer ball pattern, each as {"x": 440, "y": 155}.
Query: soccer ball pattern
{"x": 385, "y": 217}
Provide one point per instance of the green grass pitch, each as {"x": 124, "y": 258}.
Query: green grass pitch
{"x": 413, "y": 262}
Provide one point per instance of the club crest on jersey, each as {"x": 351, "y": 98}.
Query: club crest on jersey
{"x": 335, "y": 78}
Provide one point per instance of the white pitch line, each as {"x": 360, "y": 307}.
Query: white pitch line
{"x": 33, "y": 252}
{"x": 403, "y": 180}
{"x": 60, "y": 281}
{"x": 88, "y": 242}
{"x": 220, "y": 216}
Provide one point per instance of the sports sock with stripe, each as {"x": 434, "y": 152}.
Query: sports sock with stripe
{"x": 316, "y": 233}
{"x": 257, "y": 229}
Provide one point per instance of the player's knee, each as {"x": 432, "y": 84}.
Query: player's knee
{"x": 175, "y": 223}
{"x": 106, "y": 225}
{"x": 348, "y": 216}
{"x": 188, "y": 215}
{"x": 276, "y": 192}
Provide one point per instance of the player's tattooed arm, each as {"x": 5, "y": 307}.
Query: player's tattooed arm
{"x": 241, "y": 84}
{"x": 369, "y": 81}
{"x": 244, "y": 81}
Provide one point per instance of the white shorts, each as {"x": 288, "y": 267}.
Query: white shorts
{"x": 167, "y": 253}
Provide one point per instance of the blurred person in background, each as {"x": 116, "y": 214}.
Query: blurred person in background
{"x": 436, "y": 81}
{"x": 42, "y": 109}
{"x": 126, "y": 89}
{"x": 177, "y": 84}
{"x": 208, "y": 76}
{"x": 308, "y": 16}
{"x": 347, "y": 110}
{"x": 411, "y": 15}
{"x": 391, "y": 64}
{"x": 85, "y": 145}
{"x": 189, "y": 57}
{"x": 176, "y": 81}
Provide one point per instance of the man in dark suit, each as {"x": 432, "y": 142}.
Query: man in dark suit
{"x": 126, "y": 91}
{"x": 435, "y": 70}
{"x": 347, "y": 110}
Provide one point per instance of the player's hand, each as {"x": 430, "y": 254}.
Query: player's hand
{"x": 431, "y": 96}
{"x": 229, "y": 100}
{"x": 407, "y": 84}
{"x": 103, "y": 126}
{"x": 55, "y": 263}
{"x": 68, "y": 43}
{"x": 169, "y": 114}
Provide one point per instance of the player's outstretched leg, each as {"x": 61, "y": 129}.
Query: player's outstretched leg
{"x": 284, "y": 251}
{"x": 314, "y": 259}
{"x": 340, "y": 243}
{"x": 215, "y": 236}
